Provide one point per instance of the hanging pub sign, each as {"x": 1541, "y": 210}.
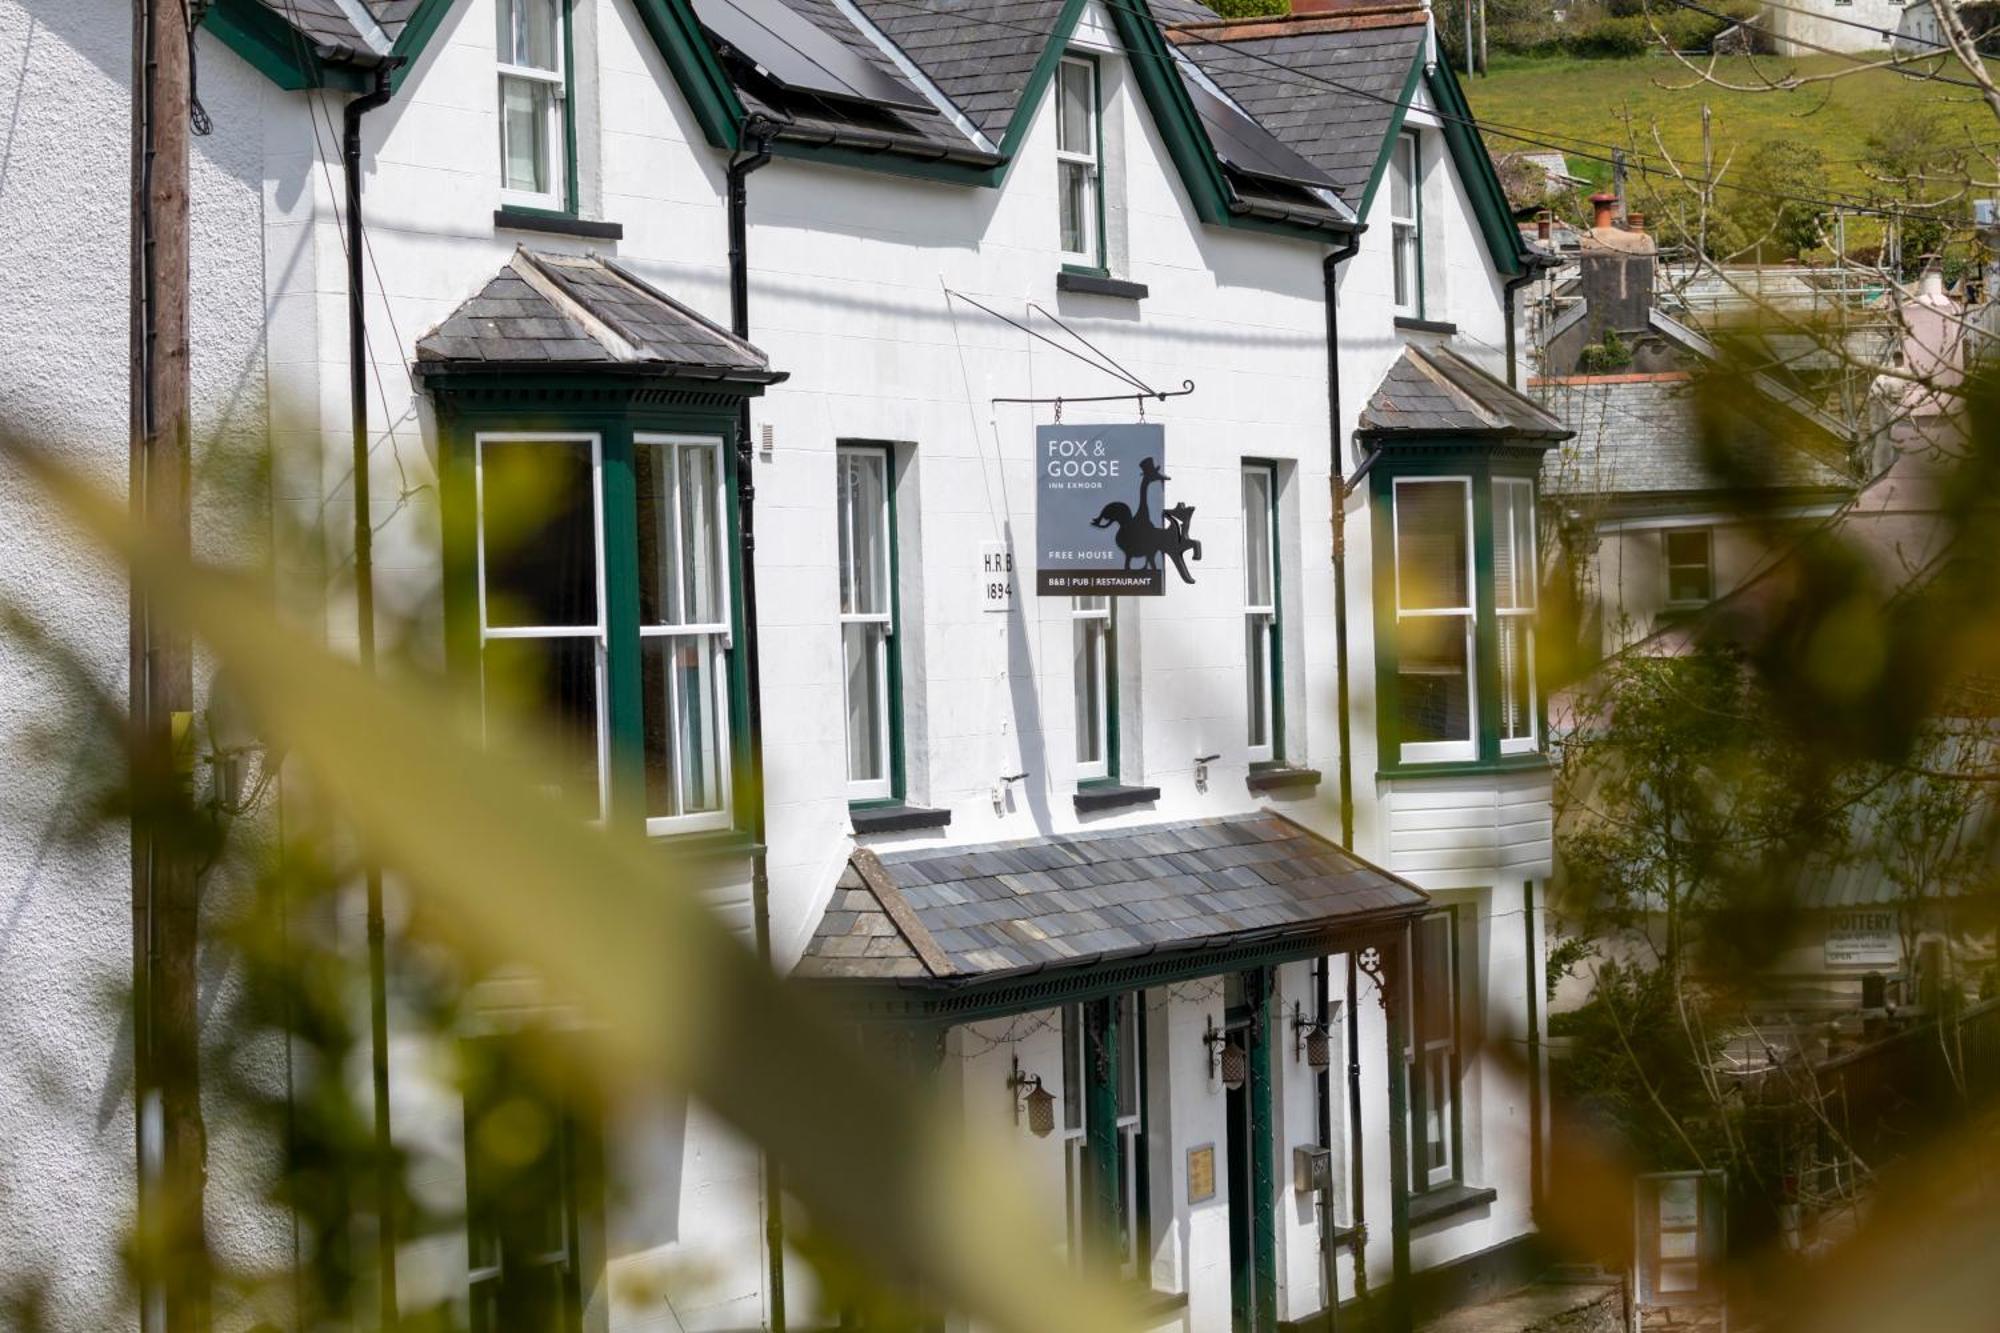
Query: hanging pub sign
{"x": 1102, "y": 524}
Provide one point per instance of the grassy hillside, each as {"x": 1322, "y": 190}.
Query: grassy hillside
{"x": 1621, "y": 101}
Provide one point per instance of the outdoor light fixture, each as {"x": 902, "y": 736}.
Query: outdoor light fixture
{"x": 1235, "y": 1064}
{"x": 1309, "y": 1038}
{"x": 1041, "y": 1103}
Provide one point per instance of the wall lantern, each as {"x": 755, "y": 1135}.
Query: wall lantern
{"x": 1027, "y": 1090}
{"x": 1227, "y": 1058}
{"x": 1309, "y": 1039}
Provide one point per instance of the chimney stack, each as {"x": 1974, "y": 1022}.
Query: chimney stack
{"x": 1544, "y": 227}
{"x": 1603, "y": 207}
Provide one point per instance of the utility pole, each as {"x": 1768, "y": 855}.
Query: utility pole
{"x": 172, "y": 1142}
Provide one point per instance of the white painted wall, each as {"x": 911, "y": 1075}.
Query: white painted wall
{"x": 847, "y": 294}
{"x": 1871, "y": 27}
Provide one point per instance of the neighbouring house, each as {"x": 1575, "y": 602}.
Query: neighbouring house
{"x": 1184, "y": 860}
{"x": 1868, "y": 27}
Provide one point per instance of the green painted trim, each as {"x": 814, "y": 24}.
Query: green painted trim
{"x": 1277, "y": 686}
{"x": 571, "y": 183}
{"x": 1393, "y": 980}
{"x": 626, "y": 712}
{"x": 1102, "y": 1197}
{"x": 275, "y": 49}
{"x": 1427, "y": 459}
{"x": 1114, "y": 735}
{"x": 696, "y": 68}
{"x": 1263, "y": 1153}
{"x": 604, "y": 405}
{"x": 1475, "y": 172}
{"x": 1087, "y": 270}
{"x": 1152, "y": 66}
{"x": 1411, "y": 81}
{"x": 415, "y": 38}
{"x": 1417, "y": 199}
{"x": 889, "y": 163}
{"x": 1039, "y": 79}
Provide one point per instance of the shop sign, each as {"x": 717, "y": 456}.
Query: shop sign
{"x": 1102, "y": 522}
{"x": 1865, "y": 938}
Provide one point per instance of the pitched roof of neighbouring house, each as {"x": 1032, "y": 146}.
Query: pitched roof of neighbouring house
{"x": 1433, "y": 391}
{"x": 546, "y": 311}
{"x": 972, "y": 913}
{"x": 1327, "y": 87}
{"x": 1641, "y": 434}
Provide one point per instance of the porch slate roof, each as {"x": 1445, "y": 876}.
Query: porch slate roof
{"x": 1326, "y": 87}
{"x": 1435, "y": 391}
{"x": 547, "y": 310}
{"x": 326, "y": 22}
{"x": 970, "y": 913}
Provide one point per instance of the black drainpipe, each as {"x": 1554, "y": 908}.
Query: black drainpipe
{"x": 1337, "y": 487}
{"x": 364, "y": 611}
{"x": 756, "y": 137}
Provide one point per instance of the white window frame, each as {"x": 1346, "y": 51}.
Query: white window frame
{"x": 1262, "y": 617}
{"x": 598, "y": 634}
{"x": 1434, "y": 752}
{"x": 1093, "y": 213}
{"x": 1098, "y": 769}
{"x": 1406, "y": 231}
{"x": 719, "y": 634}
{"x": 1668, "y": 566}
{"x": 883, "y": 787}
{"x": 1523, "y": 598}
{"x": 1131, "y": 1124}
{"x": 1419, "y": 1053}
{"x": 1075, "y": 1138}
{"x": 553, "y": 199}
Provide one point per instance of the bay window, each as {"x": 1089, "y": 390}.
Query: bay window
{"x": 1515, "y": 573}
{"x": 1435, "y": 619}
{"x": 1406, "y": 224}
{"x": 867, "y": 618}
{"x": 1079, "y": 165}
{"x": 1262, "y": 644}
{"x": 602, "y": 615}
{"x": 1095, "y": 668}
{"x": 532, "y": 52}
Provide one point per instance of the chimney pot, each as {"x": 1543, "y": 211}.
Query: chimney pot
{"x": 1543, "y": 225}
{"x": 1602, "y": 207}
{"x": 1636, "y": 222}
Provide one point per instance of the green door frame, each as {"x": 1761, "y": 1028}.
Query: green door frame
{"x": 1100, "y": 1121}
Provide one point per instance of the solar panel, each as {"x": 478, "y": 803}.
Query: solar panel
{"x": 1247, "y": 146}
{"x": 796, "y": 52}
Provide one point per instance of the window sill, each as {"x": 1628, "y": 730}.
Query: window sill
{"x": 555, "y": 224}
{"x": 721, "y": 845}
{"x": 1506, "y": 763}
{"x": 895, "y": 817}
{"x": 1113, "y": 796}
{"x": 1448, "y": 1201}
{"x": 1096, "y": 282}
{"x": 1282, "y": 777}
{"x": 1411, "y": 324}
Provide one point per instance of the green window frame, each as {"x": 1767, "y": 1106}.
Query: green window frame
{"x": 1406, "y": 224}
{"x": 534, "y": 1197}
{"x": 671, "y": 701}
{"x": 535, "y": 63}
{"x": 870, "y": 618}
{"x": 1263, "y": 615}
{"x": 1432, "y": 1052}
{"x": 1094, "y": 658}
{"x": 1079, "y": 107}
{"x": 1505, "y": 725}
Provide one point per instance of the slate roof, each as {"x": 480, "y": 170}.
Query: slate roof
{"x": 802, "y": 116}
{"x": 326, "y": 24}
{"x": 1435, "y": 391}
{"x": 979, "y": 53}
{"x": 1639, "y": 435}
{"x": 971, "y": 913}
{"x": 546, "y": 310}
{"x": 1334, "y": 90}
